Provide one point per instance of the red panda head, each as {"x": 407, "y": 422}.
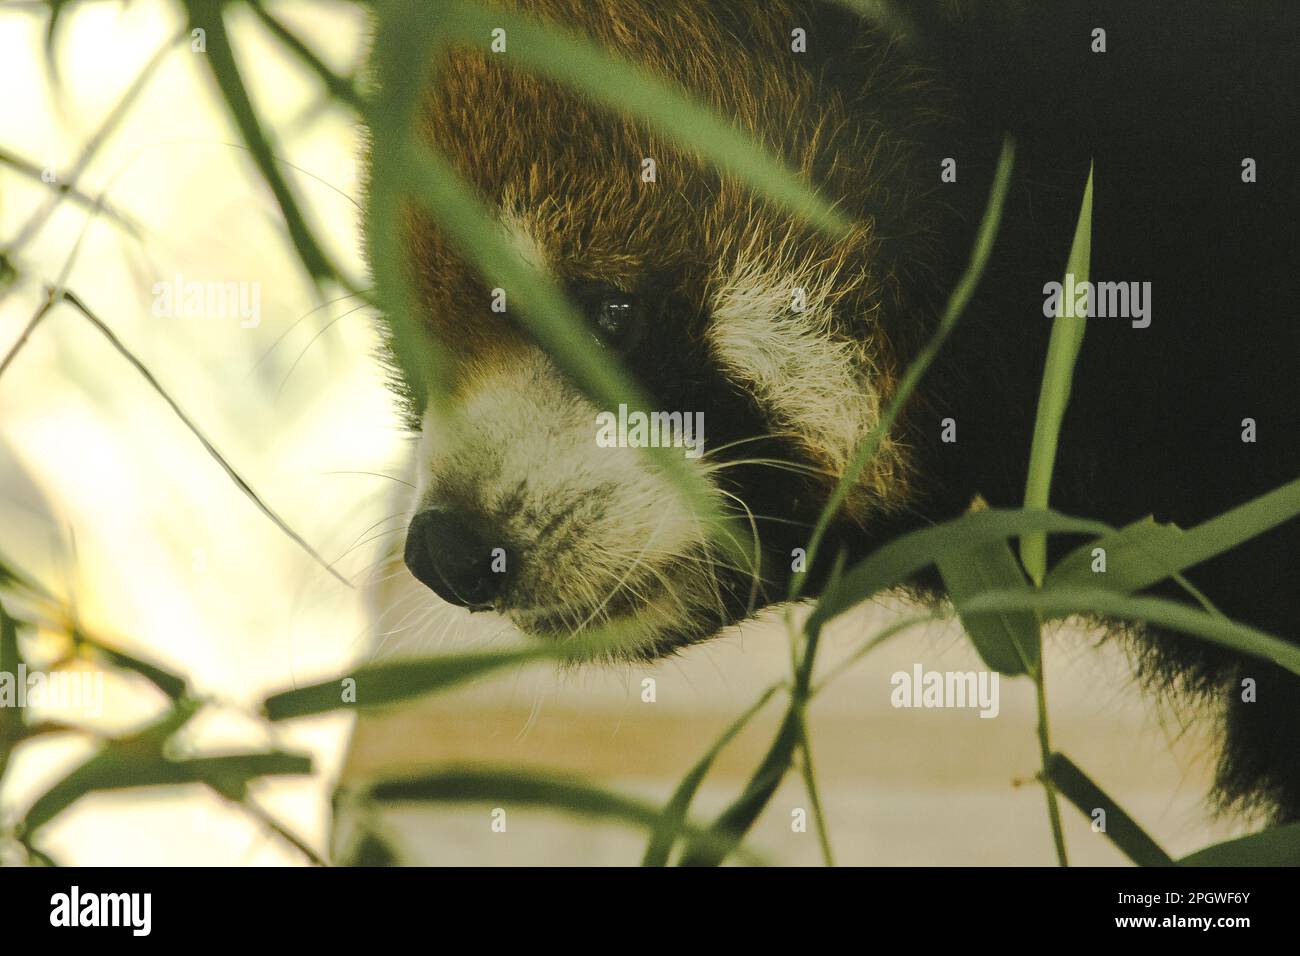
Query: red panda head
{"x": 742, "y": 322}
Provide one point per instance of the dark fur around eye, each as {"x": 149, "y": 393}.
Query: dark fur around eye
{"x": 616, "y": 318}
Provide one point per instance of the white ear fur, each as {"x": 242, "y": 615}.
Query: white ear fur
{"x": 810, "y": 379}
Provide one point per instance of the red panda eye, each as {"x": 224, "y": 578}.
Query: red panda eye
{"x": 616, "y": 319}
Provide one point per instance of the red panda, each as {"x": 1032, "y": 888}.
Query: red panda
{"x": 692, "y": 281}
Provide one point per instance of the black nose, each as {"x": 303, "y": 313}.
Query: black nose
{"x": 451, "y": 552}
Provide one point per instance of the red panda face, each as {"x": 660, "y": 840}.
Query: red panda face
{"x": 760, "y": 340}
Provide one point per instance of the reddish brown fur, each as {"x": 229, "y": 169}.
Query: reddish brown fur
{"x": 573, "y": 167}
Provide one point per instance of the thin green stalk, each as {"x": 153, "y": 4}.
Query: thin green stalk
{"x": 259, "y": 813}
{"x": 810, "y": 784}
{"x": 86, "y": 313}
{"x": 1045, "y": 748}
{"x": 91, "y": 147}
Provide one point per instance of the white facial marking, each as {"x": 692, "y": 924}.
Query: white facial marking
{"x": 804, "y": 373}
{"x": 599, "y": 534}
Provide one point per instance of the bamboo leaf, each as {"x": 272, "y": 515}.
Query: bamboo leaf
{"x": 1279, "y": 846}
{"x": 395, "y": 681}
{"x": 34, "y": 172}
{"x": 230, "y": 774}
{"x": 1132, "y": 552}
{"x": 1063, "y": 602}
{"x": 209, "y": 16}
{"x": 562, "y": 792}
{"x": 893, "y": 563}
{"x": 669, "y": 825}
{"x": 170, "y": 684}
{"x": 91, "y": 147}
{"x": 108, "y": 766}
{"x": 10, "y": 657}
{"x": 1008, "y": 641}
{"x": 340, "y": 88}
{"x": 115, "y": 769}
{"x": 405, "y": 41}
{"x": 729, "y": 829}
{"x": 1120, "y": 828}
{"x": 391, "y": 682}
{"x": 11, "y": 720}
{"x": 1058, "y": 375}
{"x": 1145, "y": 552}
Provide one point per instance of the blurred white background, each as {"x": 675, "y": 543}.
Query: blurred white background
{"x": 163, "y": 553}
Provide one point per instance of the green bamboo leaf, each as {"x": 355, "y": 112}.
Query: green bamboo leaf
{"x": 1120, "y": 828}
{"x": 811, "y": 788}
{"x": 406, "y": 39}
{"x": 230, "y": 774}
{"x": 731, "y": 826}
{"x": 170, "y": 684}
{"x": 1058, "y": 375}
{"x": 669, "y": 826}
{"x": 8, "y": 575}
{"x": 10, "y": 657}
{"x": 11, "y": 577}
{"x": 106, "y": 765}
{"x": 390, "y": 682}
{"x": 51, "y": 42}
{"x": 40, "y": 857}
{"x": 339, "y": 87}
{"x": 394, "y": 681}
{"x": 533, "y": 788}
{"x": 11, "y": 720}
{"x": 897, "y": 561}
{"x": 1009, "y": 641}
{"x": 1133, "y": 553}
{"x": 1063, "y": 602}
{"x": 209, "y": 15}
{"x": 372, "y": 850}
{"x": 1279, "y": 846}
{"x": 117, "y": 769}
{"x": 633, "y": 91}
{"x": 1145, "y": 552}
